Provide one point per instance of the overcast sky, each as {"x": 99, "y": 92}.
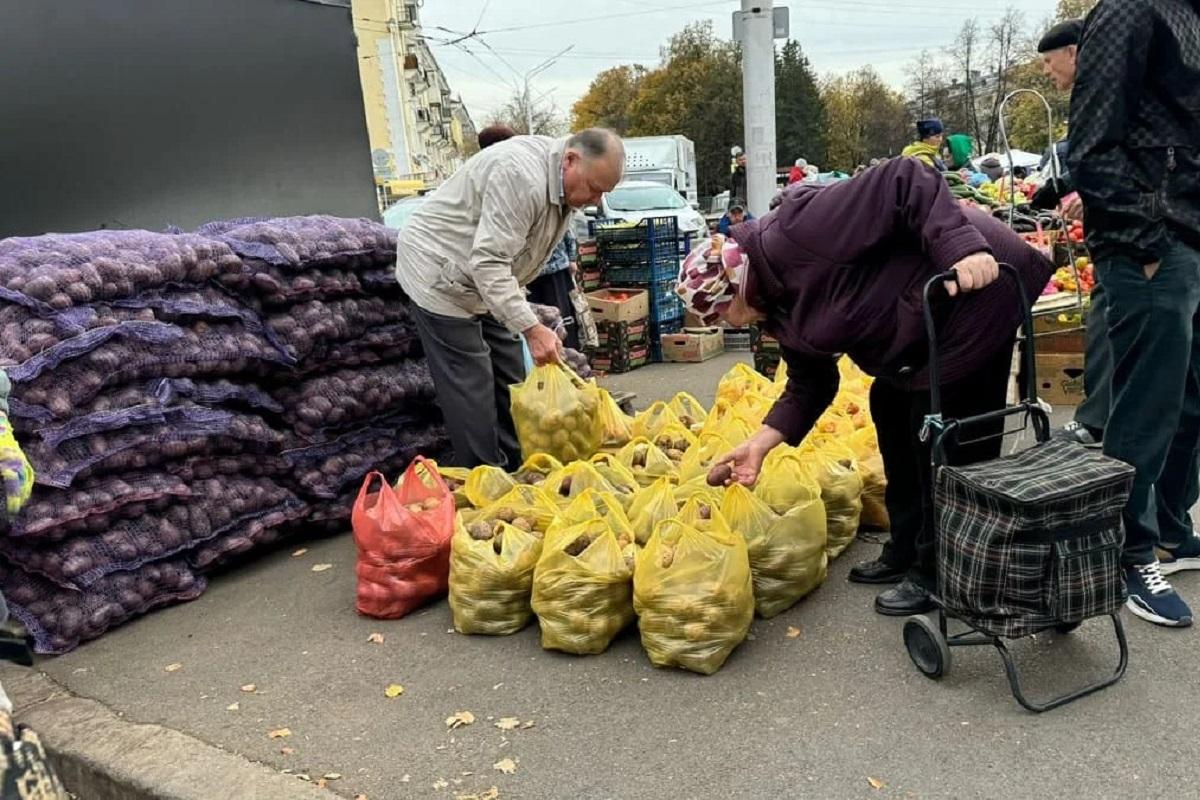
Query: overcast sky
{"x": 837, "y": 36}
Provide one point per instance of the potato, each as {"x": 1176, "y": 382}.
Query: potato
{"x": 720, "y": 475}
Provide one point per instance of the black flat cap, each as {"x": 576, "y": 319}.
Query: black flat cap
{"x": 1064, "y": 34}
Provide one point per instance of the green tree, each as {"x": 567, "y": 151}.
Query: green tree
{"x": 609, "y": 99}
{"x": 871, "y": 119}
{"x": 800, "y": 130}
{"x": 697, "y": 92}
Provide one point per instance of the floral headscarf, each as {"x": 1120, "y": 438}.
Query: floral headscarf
{"x": 711, "y": 276}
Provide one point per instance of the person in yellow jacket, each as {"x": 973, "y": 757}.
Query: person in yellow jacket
{"x": 931, "y": 133}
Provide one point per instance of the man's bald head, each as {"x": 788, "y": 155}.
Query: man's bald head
{"x": 592, "y": 165}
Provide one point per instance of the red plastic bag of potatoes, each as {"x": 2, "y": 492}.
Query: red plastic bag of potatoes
{"x": 403, "y": 537}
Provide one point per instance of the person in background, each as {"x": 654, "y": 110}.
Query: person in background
{"x": 734, "y": 216}
{"x": 961, "y": 147}
{"x": 1134, "y": 155}
{"x": 797, "y": 172}
{"x": 464, "y": 258}
{"x": 738, "y": 185}
{"x": 494, "y": 134}
{"x": 1059, "y": 48}
{"x": 840, "y": 269}
{"x": 554, "y": 285}
{"x": 931, "y": 133}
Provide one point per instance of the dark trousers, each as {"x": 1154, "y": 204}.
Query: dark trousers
{"x": 555, "y": 290}
{"x": 1154, "y": 424}
{"x": 899, "y": 415}
{"x": 473, "y": 362}
{"x": 1097, "y": 365}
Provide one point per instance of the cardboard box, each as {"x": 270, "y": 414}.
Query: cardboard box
{"x": 623, "y": 362}
{"x": 1052, "y": 336}
{"x": 693, "y": 344}
{"x": 1060, "y": 378}
{"x": 607, "y": 307}
{"x": 615, "y": 336}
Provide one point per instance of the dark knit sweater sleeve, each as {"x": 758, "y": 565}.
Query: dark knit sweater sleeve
{"x": 811, "y": 387}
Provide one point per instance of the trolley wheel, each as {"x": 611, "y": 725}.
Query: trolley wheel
{"x": 1067, "y": 627}
{"x": 927, "y": 647}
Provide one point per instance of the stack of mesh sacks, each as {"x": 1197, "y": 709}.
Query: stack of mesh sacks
{"x": 187, "y": 398}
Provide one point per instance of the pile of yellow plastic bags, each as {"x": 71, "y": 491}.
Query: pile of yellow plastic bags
{"x": 611, "y": 518}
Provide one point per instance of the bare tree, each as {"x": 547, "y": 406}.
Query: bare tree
{"x": 1006, "y": 49}
{"x": 521, "y": 109}
{"x": 965, "y": 57}
{"x": 925, "y": 81}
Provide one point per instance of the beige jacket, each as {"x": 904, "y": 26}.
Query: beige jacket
{"x": 486, "y": 232}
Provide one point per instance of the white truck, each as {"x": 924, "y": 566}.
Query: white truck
{"x": 663, "y": 159}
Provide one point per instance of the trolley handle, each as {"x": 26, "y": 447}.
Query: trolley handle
{"x": 936, "y": 284}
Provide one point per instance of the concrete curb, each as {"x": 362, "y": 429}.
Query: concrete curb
{"x": 100, "y": 756}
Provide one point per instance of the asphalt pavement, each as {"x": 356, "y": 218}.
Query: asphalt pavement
{"x": 821, "y": 702}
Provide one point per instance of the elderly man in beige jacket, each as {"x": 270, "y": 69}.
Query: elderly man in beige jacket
{"x": 464, "y": 259}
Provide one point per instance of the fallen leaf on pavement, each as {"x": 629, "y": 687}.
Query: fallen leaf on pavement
{"x": 322, "y": 783}
{"x": 360, "y": 797}
{"x": 250, "y": 687}
{"x": 280, "y": 733}
{"x": 508, "y": 723}
{"x": 491, "y": 794}
{"x": 793, "y": 632}
{"x": 527, "y": 725}
{"x": 300, "y": 552}
{"x": 460, "y": 719}
{"x": 876, "y": 784}
{"x": 287, "y": 751}
{"x": 506, "y": 765}
{"x": 304, "y": 777}
{"x": 173, "y": 667}
{"x": 405, "y": 778}
{"x": 233, "y": 706}
{"x": 394, "y": 690}
{"x": 332, "y": 776}
{"x": 321, "y": 567}
{"x": 440, "y": 784}
{"x": 375, "y": 638}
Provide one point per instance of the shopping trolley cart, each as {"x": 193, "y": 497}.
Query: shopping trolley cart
{"x": 1026, "y": 543}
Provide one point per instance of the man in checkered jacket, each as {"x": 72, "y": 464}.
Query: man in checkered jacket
{"x": 1135, "y": 159}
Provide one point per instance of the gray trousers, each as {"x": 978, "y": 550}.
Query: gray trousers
{"x": 1097, "y": 365}
{"x": 473, "y": 362}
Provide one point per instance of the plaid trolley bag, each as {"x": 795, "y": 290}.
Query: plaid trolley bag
{"x": 1025, "y": 543}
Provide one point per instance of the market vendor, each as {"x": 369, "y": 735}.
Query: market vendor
{"x": 840, "y": 270}
{"x": 464, "y": 259}
{"x": 931, "y": 135}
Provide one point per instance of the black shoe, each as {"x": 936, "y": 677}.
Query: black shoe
{"x": 904, "y": 600}
{"x": 876, "y": 571}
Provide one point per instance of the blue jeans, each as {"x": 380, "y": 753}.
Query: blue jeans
{"x": 1154, "y": 423}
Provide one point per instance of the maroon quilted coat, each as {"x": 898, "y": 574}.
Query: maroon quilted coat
{"x": 840, "y": 270}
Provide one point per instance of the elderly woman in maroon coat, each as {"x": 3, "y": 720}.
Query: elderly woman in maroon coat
{"x": 840, "y": 270}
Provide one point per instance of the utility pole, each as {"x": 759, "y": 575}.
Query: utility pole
{"x": 526, "y": 96}
{"x": 758, "y": 101}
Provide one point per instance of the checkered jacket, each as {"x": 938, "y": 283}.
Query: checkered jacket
{"x": 1032, "y": 540}
{"x": 1135, "y": 126}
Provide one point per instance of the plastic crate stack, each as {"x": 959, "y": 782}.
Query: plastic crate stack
{"x": 766, "y": 352}
{"x": 590, "y": 276}
{"x": 186, "y": 399}
{"x": 645, "y": 255}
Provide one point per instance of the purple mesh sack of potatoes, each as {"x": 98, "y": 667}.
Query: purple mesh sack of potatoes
{"x": 318, "y": 240}
{"x": 321, "y": 405}
{"x": 94, "y": 505}
{"x": 59, "y": 619}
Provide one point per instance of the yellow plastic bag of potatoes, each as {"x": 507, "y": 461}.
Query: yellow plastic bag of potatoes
{"x": 485, "y": 485}
{"x": 647, "y": 462}
{"x": 674, "y": 441}
{"x": 781, "y": 377}
{"x": 491, "y": 577}
{"x": 853, "y": 379}
{"x": 836, "y": 472}
{"x": 455, "y": 479}
{"x": 524, "y": 506}
{"x": 734, "y": 429}
{"x": 753, "y": 408}
{"x": 787, "y": 551}
{"x": 658, "y": 416}
{"x": 699, "y": 489}
{"x": 536, "y": 469}
{"x": 739, "y": 381}
{"x": 591, "y": 504}
{"x": 785, "y": 482}
{"x": 617, "y": 474}
{"x": 582, "y": 589}
{"x": 651, "y": 507}
{"x": 692, "y": 414}
{"x": 833, "y": 425}
{"x": 865, "y": 445}
{"x": 853, "y": 407}
{"x": 693, "y": 596}
{"x": 557, "y": 413}
{"x": 563, "y": 486}
{"x": 618, "y": 426}
{"x": 699, "y": 458}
